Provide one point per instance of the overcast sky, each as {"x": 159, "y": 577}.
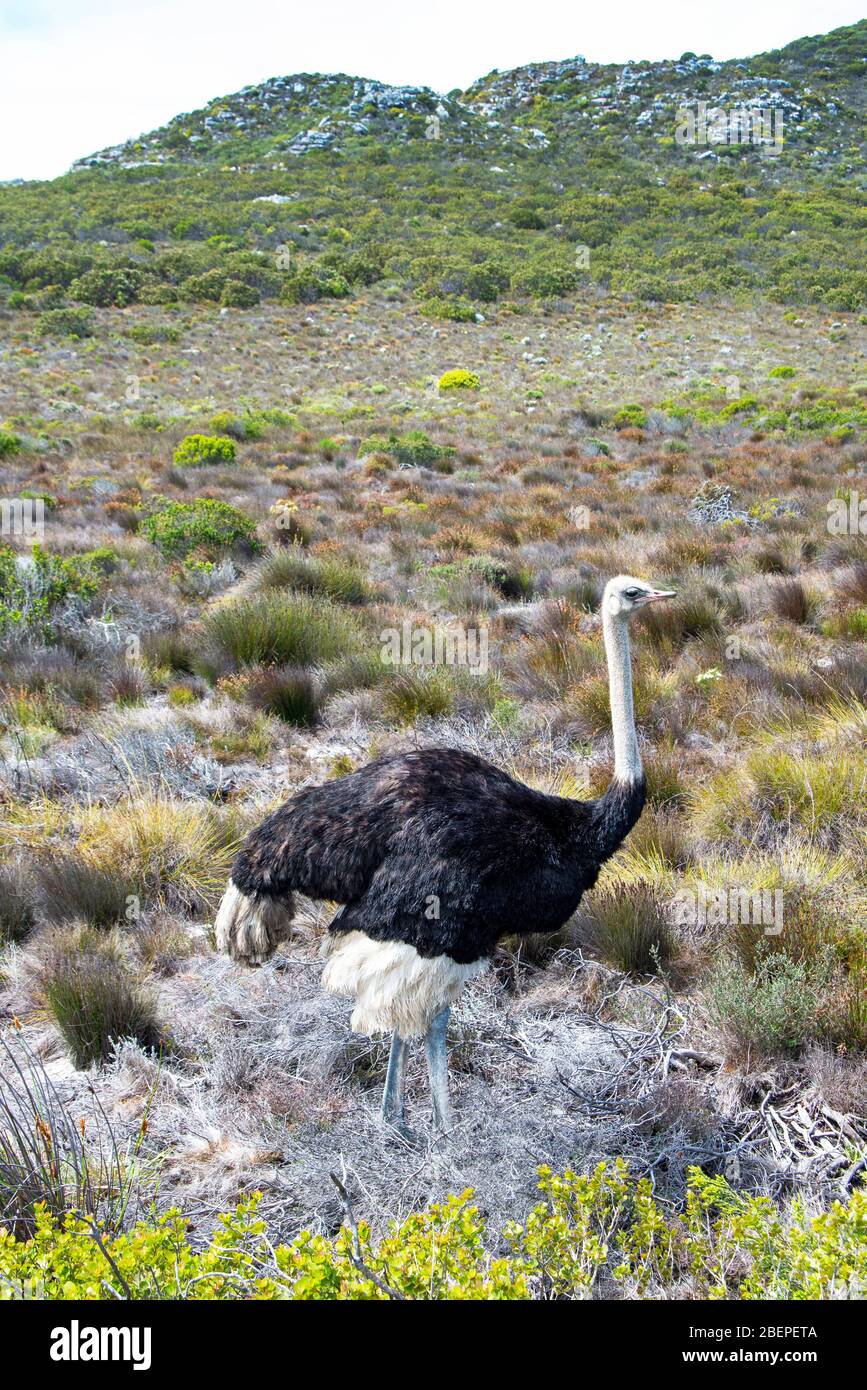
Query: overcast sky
{"x": 78, "y": 75}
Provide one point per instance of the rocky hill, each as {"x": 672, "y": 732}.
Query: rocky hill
{"x": 663, "y": 181}
{"x": 814, "y": 87}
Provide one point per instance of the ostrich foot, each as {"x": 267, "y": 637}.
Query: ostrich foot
{"x": 438, "y": 1072}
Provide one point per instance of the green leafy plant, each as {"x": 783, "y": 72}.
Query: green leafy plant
{"x": 178, "y": 528}
{"x": 589, "y": 1233}
{"x": 198, "y": 450}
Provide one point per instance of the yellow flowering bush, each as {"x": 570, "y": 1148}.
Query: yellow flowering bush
{"x": 459, "y": 380}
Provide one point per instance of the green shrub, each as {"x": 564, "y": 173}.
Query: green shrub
{"x": 630, "y": 416}
{"x": 412, "y": 695}
{"x": 237, "y": 295}
{"x": 291, "y": 568}
{"x": 178, "y": 528}
{"x": 771, "y": 1009}
{"x": 107, "y": 288}
{"x": 312, "y": 283}
{"x": 30, "y": 594}
{"x": 527, "y": 219}
{"x": 9, "y": 443}
{"x": 180, "y": 696}
{"x": 601, "y": 1233}
{"x": 628, "y": 928}
{"x": 150, "y": 333}
{"x": 95, "y": 999}
{"x": 198, "y": 450}
{"x": 205, "y": 288}
{"x": 280, "y": 629}
{"x": 253, "y": 423}
{"x": 451, "y": 310}
{"x": 65, "y": 323}
{"x": 413, "y": 449}
{"x": 151, "y": 293}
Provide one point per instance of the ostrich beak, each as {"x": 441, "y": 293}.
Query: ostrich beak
{"x": 658, "y": 594}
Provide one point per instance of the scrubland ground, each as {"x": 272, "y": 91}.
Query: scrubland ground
{"x": 200, "y": 633}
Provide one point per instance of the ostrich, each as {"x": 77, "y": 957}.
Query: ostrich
{"x": 434, "y": 855}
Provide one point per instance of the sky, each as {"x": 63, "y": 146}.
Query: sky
{"x": 78, "y": 75}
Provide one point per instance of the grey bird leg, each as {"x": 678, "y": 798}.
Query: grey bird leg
{"x": 393, "y": 1102}
{"x": 438, "y": 1071}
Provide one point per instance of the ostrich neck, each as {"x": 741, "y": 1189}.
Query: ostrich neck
{"x": 627, "y": 758}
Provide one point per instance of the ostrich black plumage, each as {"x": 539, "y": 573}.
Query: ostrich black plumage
{"x": 434, "y": 855}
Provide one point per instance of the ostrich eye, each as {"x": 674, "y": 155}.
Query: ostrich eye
{"x": 632, "y": 593}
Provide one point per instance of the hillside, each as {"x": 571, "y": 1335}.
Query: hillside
{"x": 544, "y": 181}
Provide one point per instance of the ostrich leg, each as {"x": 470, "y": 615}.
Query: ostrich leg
{"x": 438, "y": 1071}
{"x": 393, "y": 1106}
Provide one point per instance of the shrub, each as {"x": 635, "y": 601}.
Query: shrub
{"x": 630, "y": 417}
{"x": 180, "y": 696}
{"x": 181, "y": 527}
{"x": 173, "y": 650}
{"x": 779, "y": 787}
{"x": 627, "y": 927}
{"x": 506, "y": 577}
{"x": 171, "y": 853}
{"x": 198, "y": 450}
{"x": 289, "y": 692}
{"x": 291, "y": 568}
{"x": 312, "y": 283}
{"x": 65, "y": 323}
{"x": 414, "y": 694}
{"x": 30, "y": 594}
{"x": 71, "y": 888}
{"x": 205, "y": 288}
{"x": 150, "y": 333}
{"x": 602, "y": 1232}
{"x": 459, "y": 380}
{"x": 413, "y": 449}
{"x": 275, "y": 628}
{"x": 772, "y": 1009}
{"x": 151, "y": 293}
{"x": 107, "y": 288}
{"x": 9, "y": 443}
{"x": 95, "y": 999}
{"x": 451, "y": 310}
{"x": 237, "y": 295}
{"x": 527, "y": 219}
{"x": 17, "y": 903}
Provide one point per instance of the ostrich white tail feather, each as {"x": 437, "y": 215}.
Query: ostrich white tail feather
{"x": 395, "y": 989}
{"x": 249, "y": 929}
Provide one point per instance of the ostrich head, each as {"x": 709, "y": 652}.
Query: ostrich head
{"x": 624, "y": 596}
